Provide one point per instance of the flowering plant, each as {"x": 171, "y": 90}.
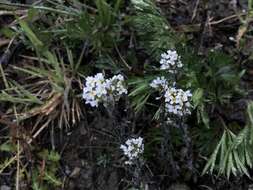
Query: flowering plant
{"x": 170, "y": 61}
{"x": 159, "y": 83}
{"x": 97, "y": 89}
{"x": 133, "y": 149}
{"x": 177, "y": 101}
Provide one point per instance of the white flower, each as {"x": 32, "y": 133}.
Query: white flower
{"x": 177, "y": 101}
{"x": 94, "y": 90}
{"x": 116, "y": 85}
{"x": 97, "y": 89}
{"x": 159, "y": 83}
{"x": 231, "y": 38}
{"x": 132, "y": 149}
{"x": 170, "y": 61}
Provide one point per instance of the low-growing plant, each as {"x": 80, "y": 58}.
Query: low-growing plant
{"x": 49, "y": 88}
{"x": 44, "y": 176}
{"x": 233, "y": 153}
{"x": 142, "y": 84}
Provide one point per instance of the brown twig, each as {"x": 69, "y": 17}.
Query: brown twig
{"x": 196, "y": 27}
{"x": 21, "y": 150}
{"x": 16, "y": 12}
{"x": 195, "y": 10}
{"x": 4, "y": 42}
{"x": 226, "y": 18}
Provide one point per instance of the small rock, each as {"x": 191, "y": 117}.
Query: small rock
{"x": 5, "y": 187}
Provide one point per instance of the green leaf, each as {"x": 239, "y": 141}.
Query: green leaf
{"x": 30, "y": 34}
{"x": 7, "y": 32}
{"x": 197, "y": 97}
{"x": 51, "y": 178}
{"x": 211, "y": 162}
{"x": 7, "y": 147}
{"x": 250, "y": 120}
{"x": 53, "y": 156}
{"x": 204, "y": 116}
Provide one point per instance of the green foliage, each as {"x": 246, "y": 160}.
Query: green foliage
{"x": 30, "y": 34}
{"x": 7, "y": 147}
{"x": 154, "y": 35}
{"x": 44, "y": 172}
{"x": 47, "y": 83}
{"x": 46, "y": 178}
{"x": 233, "y": 153}
{"x": 140, "y": 92}
{"x": 21, "y": 96}
{"x": 82, "y": 37}
{"x": 7, "y": 162}
{"x": 153, "y": 31}
{"x": 215, "y": 80}
{"x": 101, "y": 28}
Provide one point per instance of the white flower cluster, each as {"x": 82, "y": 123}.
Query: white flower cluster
{"x": 159, "y": 83}
{"x": 97, "y": 89}
{"x": 177, "y": 101}
{"x": 133, "y": 148}
{"x": 116, "y": 85}
{"x": 170, "y": 61}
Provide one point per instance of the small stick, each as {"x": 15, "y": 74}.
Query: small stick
{"x": 21, "y": 150}
{"x": 195, "y": 10}
{"x": 17, "y": 12}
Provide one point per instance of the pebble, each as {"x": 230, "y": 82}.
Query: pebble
{"x": 5, "y": 187}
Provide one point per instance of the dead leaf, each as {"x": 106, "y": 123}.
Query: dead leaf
{"x": 241, "y": 31}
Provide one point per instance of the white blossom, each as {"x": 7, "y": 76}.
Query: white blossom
{"x": 132, "y": 149}
{"x": 97, "y": 89}
{"x": 159, "y": 83}
{"x": 231, "y": 38}
{"x": 170, "y": 61}
{"x": 177, "y": 101}
{"x": 116, "y": 85}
